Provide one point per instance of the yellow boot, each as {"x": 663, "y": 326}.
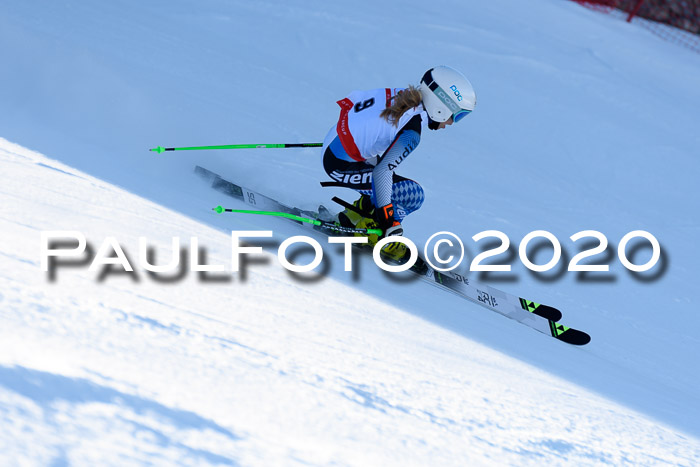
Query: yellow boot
{"x": 396, "y": 251}
{"x": 350, "y": 218}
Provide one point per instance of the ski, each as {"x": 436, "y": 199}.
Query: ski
{"x": 492, "y": 299}
{"x": 250, "y": 197}
{"x": 542, "y": 318}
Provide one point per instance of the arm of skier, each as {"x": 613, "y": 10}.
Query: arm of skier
{"x": 406, "y": 141}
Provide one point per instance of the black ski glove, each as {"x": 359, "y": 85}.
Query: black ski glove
{"x": 386, "y": 221}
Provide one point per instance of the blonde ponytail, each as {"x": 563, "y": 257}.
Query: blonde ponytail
{"x": 403, "y": 101}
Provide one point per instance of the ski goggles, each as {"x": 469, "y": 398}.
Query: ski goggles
{"x": 460, "y": 114}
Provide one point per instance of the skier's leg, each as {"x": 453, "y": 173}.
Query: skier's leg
{"x": 407, "y": 196}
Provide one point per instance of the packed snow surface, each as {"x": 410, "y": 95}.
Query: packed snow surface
{"x": 582, "y": 123}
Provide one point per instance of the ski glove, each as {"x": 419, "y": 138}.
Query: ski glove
{"x": 385, "y": 218}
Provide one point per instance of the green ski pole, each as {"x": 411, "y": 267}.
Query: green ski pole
{"x": 323, "y": 224}
{"x": 161, "y": 149}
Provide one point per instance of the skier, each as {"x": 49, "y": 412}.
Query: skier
{"x": 375, "y": 133}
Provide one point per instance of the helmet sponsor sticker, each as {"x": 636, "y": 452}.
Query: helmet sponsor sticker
{"x": 457, "y": 93}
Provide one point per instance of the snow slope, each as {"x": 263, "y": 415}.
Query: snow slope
{"x": 265, "y": 370}
{"x": 579, "y": 125}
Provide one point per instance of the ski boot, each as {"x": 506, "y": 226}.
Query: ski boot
{"x": 350, "y": 218}
{"x": 396, "y": 251}
{"x": 399, "y": 253}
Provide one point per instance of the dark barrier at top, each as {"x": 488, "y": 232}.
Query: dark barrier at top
{"x": 677, "y": 21}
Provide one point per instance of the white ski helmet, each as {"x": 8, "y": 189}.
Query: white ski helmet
{"x": 446, "y": 93}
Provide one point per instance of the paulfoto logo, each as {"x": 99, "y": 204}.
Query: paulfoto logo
{"x": 443, "y": 252}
